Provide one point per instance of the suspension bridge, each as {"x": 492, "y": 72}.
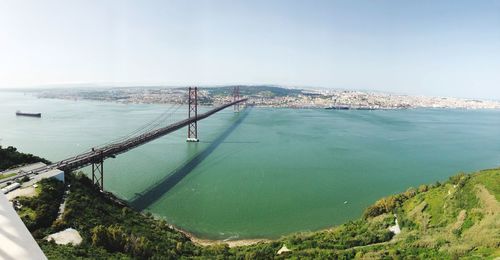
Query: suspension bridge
{"x": 95, "y": 156}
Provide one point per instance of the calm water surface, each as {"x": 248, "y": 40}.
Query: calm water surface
{"x": 264, "y": 172}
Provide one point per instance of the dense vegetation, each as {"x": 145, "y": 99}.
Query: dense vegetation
{"x": 40, "y": 211}
{"x": 459, "y": 218}
{"x": 11, "y": 157}
{"x": 391, "y": 203}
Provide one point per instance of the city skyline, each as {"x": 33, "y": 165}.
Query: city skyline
{"x": 432, "y": 48}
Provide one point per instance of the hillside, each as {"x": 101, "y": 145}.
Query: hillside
{"x": 10, "y": 157}
{"x": 458, "y": 218}
{"x": 255, "y": 91}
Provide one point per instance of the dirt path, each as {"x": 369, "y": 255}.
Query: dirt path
{"x": 488, "y": 201}
{"x": 21, "y": 192}
{"x": 460, "y": 220}
{"x": 484, "y": 233}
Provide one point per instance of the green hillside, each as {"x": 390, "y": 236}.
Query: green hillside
{"x": 10, "y": 157}
{"x": 255, "y": 91}
{"x": 456, "y": 219}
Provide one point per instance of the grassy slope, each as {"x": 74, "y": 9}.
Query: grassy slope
{"x": 2, "y": 176}
{"x": 458, "y": 218}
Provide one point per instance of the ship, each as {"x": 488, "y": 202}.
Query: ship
{"x": 19, "y": 113}
{"x": 338, "y": 107}
{"x": 341, "y": 107}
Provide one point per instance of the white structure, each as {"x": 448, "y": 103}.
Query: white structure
{"x": 67, "y": 236}
{"x": 395, "y": 229}
{"x": 283, "y": 249}
{"x": 16, "y": 241}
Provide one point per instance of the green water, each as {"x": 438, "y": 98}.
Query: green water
{"x": 264, "y": 172}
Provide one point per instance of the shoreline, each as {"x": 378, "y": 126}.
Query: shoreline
{"x": 191, "y": 236}
{"x": 210, "y": 242}
{"x": 296, "y": 106}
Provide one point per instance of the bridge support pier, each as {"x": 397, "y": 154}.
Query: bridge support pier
{"x": 193, "y": 112}
{"x": 98, "y": 173}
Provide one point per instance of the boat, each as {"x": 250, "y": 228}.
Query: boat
{"x": 366, "y": 108}
{"x": 19, "y": 113}
{"x": 339, "y": 107}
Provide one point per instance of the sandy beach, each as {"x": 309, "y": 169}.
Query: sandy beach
{"x": 230, "y": 243}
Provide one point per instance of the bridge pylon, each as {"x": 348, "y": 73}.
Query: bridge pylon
{"x": 193, "y": 112}
{"x": 236, "y": 96}
{"x": 98, "y": 172}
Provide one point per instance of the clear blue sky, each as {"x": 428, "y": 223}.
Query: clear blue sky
{"x": 429, "y": 47}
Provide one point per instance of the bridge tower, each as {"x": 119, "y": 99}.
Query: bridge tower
{"x": 236, "y": 96}
{"x": 193, "y": 112}
{"x": 98, "y": 172}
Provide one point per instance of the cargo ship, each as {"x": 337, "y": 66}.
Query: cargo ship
{"x": 339, "y": 107}
{"x": 19, "y": 113}
{"x": 351, "y": 108}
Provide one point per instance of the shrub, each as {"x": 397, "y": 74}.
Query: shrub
{"x": 423, "y": 188}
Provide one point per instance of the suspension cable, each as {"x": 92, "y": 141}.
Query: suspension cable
{"x": 146, "y": 127}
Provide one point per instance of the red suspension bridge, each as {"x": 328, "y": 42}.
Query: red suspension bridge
{"x": 96, "y": 156}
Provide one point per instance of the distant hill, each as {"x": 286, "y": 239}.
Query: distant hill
{"x": 252, "y": 91}
{"x": 456, "y": 219}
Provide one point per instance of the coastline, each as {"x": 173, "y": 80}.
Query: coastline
{"x": 210, "y": 242}
{"x": 354, "y": 99}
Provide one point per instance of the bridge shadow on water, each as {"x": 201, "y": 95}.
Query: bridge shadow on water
{"x": 145, "y": 199}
